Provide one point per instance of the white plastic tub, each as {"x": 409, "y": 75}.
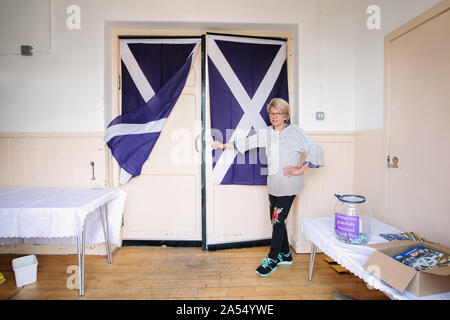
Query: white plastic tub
{"x": 25, "y": 270}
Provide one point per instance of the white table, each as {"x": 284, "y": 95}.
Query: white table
{"x": 320, "y": 231}
{"x": 62, "y": 212}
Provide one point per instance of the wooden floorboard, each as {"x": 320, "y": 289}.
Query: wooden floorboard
{"x": 183, "y": 273}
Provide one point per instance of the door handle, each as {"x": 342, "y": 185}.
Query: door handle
{"x": 93, "y": 170}
{"x": 196, "y": 143}
{"x": 394, "y": 163}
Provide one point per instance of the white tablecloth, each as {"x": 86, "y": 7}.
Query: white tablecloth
{"x": 320, "y": 231}
{"x": 57, "y": 215}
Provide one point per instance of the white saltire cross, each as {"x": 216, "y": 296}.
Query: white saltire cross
{"x": 251, "y": 107}
{"x": 145, "y": 90}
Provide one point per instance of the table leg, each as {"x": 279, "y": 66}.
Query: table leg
{"x": 79, "y": 263}
{"x": 105, "y": 231}
{"x": 311, "y": 261}
{"x": 80, "y": 251}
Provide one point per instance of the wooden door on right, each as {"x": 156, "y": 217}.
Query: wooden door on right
{"x": 418, "y": 111}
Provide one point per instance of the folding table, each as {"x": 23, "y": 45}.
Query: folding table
{"x": 320, "y": 232}
{"x": 62, "y": 212}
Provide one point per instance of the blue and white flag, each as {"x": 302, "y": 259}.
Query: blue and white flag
{"x": 244, "y": 75}
{"x": 154, "y": 73}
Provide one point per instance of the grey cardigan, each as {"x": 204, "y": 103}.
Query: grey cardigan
{"x": 283, "y": 149}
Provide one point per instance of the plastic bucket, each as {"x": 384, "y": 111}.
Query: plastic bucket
{"x": 25, "y": 270}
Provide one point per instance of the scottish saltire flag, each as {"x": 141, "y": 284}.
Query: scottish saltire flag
{"x": 154, "y": 72}
{"x": 244, "y": 75}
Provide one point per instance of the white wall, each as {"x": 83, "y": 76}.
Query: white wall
{"x": 51, "y": 92}
{"x": 339, "y": 62}
{"x": 64, "y": 90}
{"x": 369, "y": 55}
{"x": 327, "y": 64}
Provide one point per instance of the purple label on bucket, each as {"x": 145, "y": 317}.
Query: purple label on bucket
{"x": 346, "y": 226}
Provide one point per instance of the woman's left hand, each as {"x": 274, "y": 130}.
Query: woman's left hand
{"x": 295, "y": 171}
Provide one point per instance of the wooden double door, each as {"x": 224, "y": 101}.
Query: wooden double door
{"x": 175, "y": 198}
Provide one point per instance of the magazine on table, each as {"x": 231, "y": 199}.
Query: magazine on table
{"x": 423, "y": 258}
{"x": 404, "y": 236}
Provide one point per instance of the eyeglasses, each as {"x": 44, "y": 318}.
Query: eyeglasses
{"x": 273, "y": 114}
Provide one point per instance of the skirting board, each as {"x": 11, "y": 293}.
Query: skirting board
{"x": 27, "y": 248}
{"x": 158, "y": 243}
{"x": 239, "y": 245}
{"x": 211, "y": 247}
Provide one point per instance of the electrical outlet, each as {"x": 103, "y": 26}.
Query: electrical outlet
{"x": 26, "y": 50}
{"x": 320, "y": 115}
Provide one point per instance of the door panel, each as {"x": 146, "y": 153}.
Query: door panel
{"x": 164, "y": 202}
{"x": 239, "y": 213}
{"x": 237, "y": 220}
{"x": 419, "y": 131}
{"x": 164, "y": 212}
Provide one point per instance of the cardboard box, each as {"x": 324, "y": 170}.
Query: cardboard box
{"x": 402, "y": 277}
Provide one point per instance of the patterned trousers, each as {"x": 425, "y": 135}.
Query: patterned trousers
{"x": 279, "y": 210}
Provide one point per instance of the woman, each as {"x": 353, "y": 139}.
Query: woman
{"x": 283, "y": 142}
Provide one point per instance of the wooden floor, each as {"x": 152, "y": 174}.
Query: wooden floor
{"x": 183, "y": 274}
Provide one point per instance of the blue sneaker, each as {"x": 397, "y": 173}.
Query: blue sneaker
{"x": 285, "y": 258}
{"x": 267, "y": 267}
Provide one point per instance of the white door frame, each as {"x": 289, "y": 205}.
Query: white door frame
{"x": 112, "y": 167}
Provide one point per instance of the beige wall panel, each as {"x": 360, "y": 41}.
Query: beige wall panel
{"x": 18, "y": 165}
{"x": 5, "y": 164}
{"x": 317, "y": 198}
{"x": 51, "y": 160}
{"x": 370, "y": 169}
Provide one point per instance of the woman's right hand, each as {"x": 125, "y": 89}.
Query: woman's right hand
{"x": 217, "y": 145}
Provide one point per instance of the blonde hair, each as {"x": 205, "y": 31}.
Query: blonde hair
{"x": 280, "y": 104}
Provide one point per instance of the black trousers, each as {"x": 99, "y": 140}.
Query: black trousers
{"x": 279, "y": 210}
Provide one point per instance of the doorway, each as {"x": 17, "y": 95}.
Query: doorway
{"x": 152, "y": 212}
